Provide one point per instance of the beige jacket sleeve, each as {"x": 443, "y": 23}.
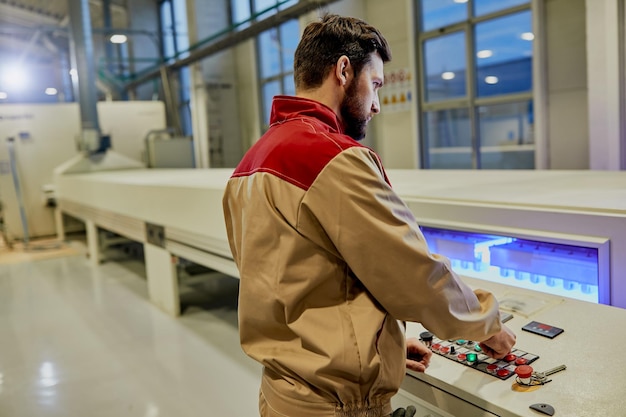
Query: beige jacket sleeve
{"x": 353, "y": 211}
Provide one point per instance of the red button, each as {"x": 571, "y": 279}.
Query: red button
{"x": 524, "y": 371}
{"x": 520, "y": 361}
{"x": 503, "y": 372}
{"x": 462, "y": 356}
{"x": 492, "y": 368}
{"x": 510, "y": 357}
{"x": 436, "y": 346}
{"x": 445, "y": 350}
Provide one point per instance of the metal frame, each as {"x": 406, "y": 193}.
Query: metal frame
{"x": 621, "y": 31}
{"x": 230, "y": 37}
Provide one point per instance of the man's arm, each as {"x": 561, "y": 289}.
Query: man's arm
{"x": 380, "y": 240}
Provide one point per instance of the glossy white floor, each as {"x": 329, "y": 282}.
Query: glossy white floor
{"x": 84, "y": 341}
{"x": 77, "y": 340}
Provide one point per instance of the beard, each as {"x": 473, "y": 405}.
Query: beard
{"x": 354, "y": 121}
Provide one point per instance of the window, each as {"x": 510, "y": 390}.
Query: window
{"x": 275, "y": 49}
{"x": 476, "y": 84}
{"x": 175, "y": 41}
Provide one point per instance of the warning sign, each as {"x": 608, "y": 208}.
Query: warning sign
{"x": 396, "y": 95}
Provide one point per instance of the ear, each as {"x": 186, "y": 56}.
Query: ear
{"x": 343, "y": 70}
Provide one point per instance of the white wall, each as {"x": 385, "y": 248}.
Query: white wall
{"x": 247, "y": 87}
{"x": 52, "y": 131}
{"x": 396, "y": 132}
{"x": 221, "y": 107}
{"x": 128, "y": 123}
{"x": 606, "y": 144}
{"x": 568, "y": 120}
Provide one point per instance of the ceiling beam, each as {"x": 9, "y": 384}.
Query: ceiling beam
{"x": 114, "y": 6}
{"x": 16, "y": 46}
{"x": 21, "y": 16}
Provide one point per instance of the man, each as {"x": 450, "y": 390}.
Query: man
{"x": 330, "y": 258}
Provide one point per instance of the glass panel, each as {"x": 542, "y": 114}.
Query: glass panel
{"x": 288, "y": 4}
{"x": 504, "y": 55}
{"x": 448, "y": 139}
{"x": 439, "y": 13}
{"x": 269, "y": 53}
{"x": 184, "y": 88}
{"x": 241, "y": 11}
{"x": 482, "y": 7}
{"x": 290, "y": 88}
{"x": 270, "y": 89}
{"x": 564, "y": 270}
{"x": 289, "y": 36}
{"x": 167, "y": 29}
{"x": 506, "y": 136}
{"x": 444, "y": 62}
{"x": 180, "y": 21}
{"x": 261, "y": 5}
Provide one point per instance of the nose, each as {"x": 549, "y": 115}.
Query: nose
{"x": 376, "y": 105}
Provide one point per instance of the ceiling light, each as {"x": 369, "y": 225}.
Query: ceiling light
{"x": 15, "y": 77}
{"x": 51, "y": 91}
{"x": 491, "y": 79}
{"x": 485, "y": 53}
{"x": 3, "y": 95}
{"x": 118, "y": 38}
{"x": 527, "y": 36}
{"x": 448, "y": 75}
{"x": 460, "y": 1}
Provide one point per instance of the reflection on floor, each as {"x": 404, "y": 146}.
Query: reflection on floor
{"x": 77, "y": 340}
{"x": 38, "y": 249}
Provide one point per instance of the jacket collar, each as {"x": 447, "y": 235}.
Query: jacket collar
{"x": 290, "y": 107}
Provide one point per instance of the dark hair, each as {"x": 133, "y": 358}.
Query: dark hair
{"x": 324, "y": 42}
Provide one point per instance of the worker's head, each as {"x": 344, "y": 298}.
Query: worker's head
{"x": 348, "y": 54}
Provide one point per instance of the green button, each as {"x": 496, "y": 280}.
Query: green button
{"x": 460, "y": 342}
{"x": 471, "y": 357}
{"x": 477, "y": 348}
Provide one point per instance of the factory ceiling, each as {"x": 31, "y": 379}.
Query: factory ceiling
{"x": 33, "y": 30}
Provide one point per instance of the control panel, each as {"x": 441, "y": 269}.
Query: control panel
{"x": 469, "y": 353}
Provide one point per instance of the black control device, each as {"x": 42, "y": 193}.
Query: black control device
{"x": 542, "y": 329}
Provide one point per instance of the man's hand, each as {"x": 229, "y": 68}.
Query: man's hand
{"x": 405, "y": 412}
{"x": 418, "y": 355}
{"x": 498, "y": 345}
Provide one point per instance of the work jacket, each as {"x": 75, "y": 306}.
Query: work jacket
{"x": 330, "y": 260}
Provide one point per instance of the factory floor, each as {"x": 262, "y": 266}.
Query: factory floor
{"x": 82, "y": 340}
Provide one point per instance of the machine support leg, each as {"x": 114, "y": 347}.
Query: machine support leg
{"x": 162, "y": 279}
{"x": 58, "y": 221}
{"x": 93, "y": 247}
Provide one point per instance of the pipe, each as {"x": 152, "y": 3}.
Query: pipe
{"x": 83, "y": 60}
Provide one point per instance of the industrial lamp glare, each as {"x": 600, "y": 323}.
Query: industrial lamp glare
{"x": 15, "y": 77}
{"x": 118, "y": 38}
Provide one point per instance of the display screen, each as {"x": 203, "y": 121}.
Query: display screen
{"x": 554, "y": 268}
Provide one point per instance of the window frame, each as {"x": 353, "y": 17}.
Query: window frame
{"x": 279, "y": 77}
{"x": 470, "y": 101}
{"x": 183, "y": 75}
